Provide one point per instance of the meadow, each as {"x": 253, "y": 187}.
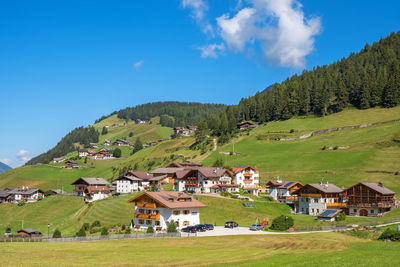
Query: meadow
{"x": 331, "y": 249}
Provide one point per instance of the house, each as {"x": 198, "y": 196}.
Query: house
{"x": 246, "y": 125}
{"x": 58, "y": 160}
{"x": 181, "y": 131}
{"x": 183, "y": 164}
{"x": 92, "y": 188}
{"x": 121, "y": 142}
{"x": 83, "y": 152}
{"x": 314, "y": 199}
{"x": 201, "y": 179}
{"x": 329, "y": 215}
{"x": 114, "y": 125}
{"x": 4, "y": 196}
{"x": 369, "y": 199}
{"x": 93, "y": 145}
{"x": 53, "y": 192}
{"x": 29, "y": 232}
{"x": 133, "y": 181}
{"x": 107, "y": 142}
{"x": 103, "y": 153}
{"x": 284, "y": 191}
{"x": 23, "y": 194}
{"x": 71, "y": 164}
{"x": 246, "y": 176}
{"x": 169, "y": 172}
{"x": 152, "y": 143}
{"x": 229, "y": 188}
{"x": 158, "y": 209}
{"x": 191, "y": 128}
{"x": 138, "y": 121}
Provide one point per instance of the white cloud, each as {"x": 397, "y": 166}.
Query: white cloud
{"x": 285, "y": 35}
{"x": 6, "y": 161}
{"x": 211, "y": 50}
{"x": 198, "y": 10}
{"x": 138, "y": 64}
{"x": 23, "y": 155}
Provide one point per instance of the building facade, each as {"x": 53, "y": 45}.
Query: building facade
{"x": 92, "y": 188}
{"x": 284, "y": 191}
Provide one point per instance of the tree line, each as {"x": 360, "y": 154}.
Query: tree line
{"x": 82, "y": 135}
{"x": 366, "y": 79}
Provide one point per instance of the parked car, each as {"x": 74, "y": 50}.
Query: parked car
{"x": 200, "y": 228}
{"x": 189, "y": 229}
{"x": 209, "y": 226}
{"x": 256, "y": 227}
{"x": 231, "y": 224}
{"x": 116, "y": 194}
{"x": 190, "y": 192}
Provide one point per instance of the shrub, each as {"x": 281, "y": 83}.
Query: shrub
{"x": 117, "y": 153}
{"x": 127, "y": 230}
{"x": 104, "y": 231}
{"x": 95, "y": 224}
{"x": 335, "y": 148}
{"x": 57, "y": 234}
{"x": 171, "y": 227}
{"x": 341, "y": 217}
{"x": 95, "y": 230}
{"x": 324, "y": 148}
{"x": 282, "y": 223}
{"x": 150, "y": 230}
{"x": 291, "y": 130}
{"x": 86, "y": 226}
{"x": 81, "y": 232}
{"x": 390, "y": 234}
{"x": 21, "y": 202}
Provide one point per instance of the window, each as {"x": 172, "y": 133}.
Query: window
{"x": 186, "y": 212}
{"x": 312, "y": 210}
{"x": 317, "y": 210}
{"x": 141, "y": 221}
{"x": 355, "y": 211}
{"x": 177, "y": 212}
{"x": 194, "y": 212}
{"x": 315, "y": 200}
{"x": 372, "y": 211}
{"x": 185, "y": 223}
{"x": 148, "y": 222}
{"x": 157, "y": 223}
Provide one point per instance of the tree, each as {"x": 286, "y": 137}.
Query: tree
{"x": 171, "y": 227}
{"x": 341, "y": 217}
{"x": 86, "y": 226}
{"x": 81, "y": 232}
{"x": 150, "y": 230}
{"x": 104, "y": 131}
{"x": 201, "y": 132}
{"x": 117, "y": 153}
{"x": 282, "y": 223}
{"x": 130, "y": 134}
{"x": 127, "y": 230}
{"x": 57, "y": 234}
{"x": 138, "y": 145}
{"x": 104, "y": 231}
{"x": 95, "y": 224}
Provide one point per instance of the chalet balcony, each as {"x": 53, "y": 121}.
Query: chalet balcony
{"x": 287, "y": 198}
{"x": 155, "y": 217}
{"x": 146, "y": 205}
{"x": 248, "y": 174}
{"x": 372, "y": 205}
{"x": 311, "y": 195}
{"x": 336, "y": 205}
{"x": 191, "y": 185}
{"x": 247, "y": 181}
{"x": 147, "y": 216}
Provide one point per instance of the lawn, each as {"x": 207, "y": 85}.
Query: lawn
{"x": 330, "y": 249}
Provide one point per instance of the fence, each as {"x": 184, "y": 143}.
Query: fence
{"x": 114, "y": 237}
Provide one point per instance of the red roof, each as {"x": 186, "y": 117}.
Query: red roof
{"x": 240, "y": 168}
{"x": 94, "y": 189}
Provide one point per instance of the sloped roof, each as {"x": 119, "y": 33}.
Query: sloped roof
{"x": 283, "y": 184}
{"x": 94, "y": 189}
{"x": 26, "y": 191}
{"x": 381, "y": 189}
{"x": 4, "y": 193}
{"x": 166, "y": 170}
{"x": 327, "y": 188}
{"x": 170, "y": 199}
{"x": 29, "y": 231}
{"x": 92, "y": 181}
{"x": 330, "y": 213}
{"x": 237, "y": 169}
{"x": 183, "y": 164}
{"x": 214, "y": 172}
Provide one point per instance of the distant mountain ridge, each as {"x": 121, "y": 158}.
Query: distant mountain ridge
{"x": 4, "y": 167}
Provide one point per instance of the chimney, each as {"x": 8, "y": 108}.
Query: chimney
{"x": 380, "y": 184}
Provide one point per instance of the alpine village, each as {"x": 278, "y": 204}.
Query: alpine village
{"x": 303, "y": 173}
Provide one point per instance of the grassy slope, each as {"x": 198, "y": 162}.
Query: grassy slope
{"x": 332, "y": 249}
{"x": 370, "y": 149}
{"x": 66, "y": 213}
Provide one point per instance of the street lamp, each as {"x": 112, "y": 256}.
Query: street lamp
{"x": 286, "y": 218}
{"x": 48, "y": 231}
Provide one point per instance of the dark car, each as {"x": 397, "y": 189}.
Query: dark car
{"x": 116, "y": 194}
{"x": 231, "y": 224}
{"x": 200, "y": 228}
{"x": 209, "y": 226}
{"x": 189, "y": 229}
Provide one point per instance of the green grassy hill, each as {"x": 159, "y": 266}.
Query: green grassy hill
{"x": 372, "y": 153}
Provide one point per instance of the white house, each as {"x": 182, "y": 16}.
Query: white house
{"x": 203, "y": 179}
{"x": 158, "y": 209}
{"x": 83, "y": 152}
{"x": 92, "y": 188}
{"x": 284, "y": 191}
{"x": 132, "y": 182}
{"x": 314, "y": 199}
{"x": 25, "y": 193}
{"x": 246, "y": 176}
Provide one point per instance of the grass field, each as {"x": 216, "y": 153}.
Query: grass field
{"x": 329, "y": 249}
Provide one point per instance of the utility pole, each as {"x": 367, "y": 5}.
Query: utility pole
{"x": 48, "y": 231}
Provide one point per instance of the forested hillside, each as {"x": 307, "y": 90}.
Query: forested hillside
{"x": 172, "y": 113}
{"x": 366, "y": 79}
{"x": 80, "y": 135}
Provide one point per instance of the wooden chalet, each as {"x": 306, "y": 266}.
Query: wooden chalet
{"x": 29, "y": 232}
{"x": 284, "y": 191}
{"x": 369, "y": 199}
{"x": 246, "y": 125}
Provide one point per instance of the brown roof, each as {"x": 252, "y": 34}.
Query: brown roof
{"x": 91, "y": 181}
{"x": 379, "y": 188}
{"x": 183, "y": 164}
{"x": 166, "y": 170}
{"x": 94, "y": 189}
{"x": 327, "y": 188}
{"x": 170, "y": 199}
{"x": 283, "y": 184}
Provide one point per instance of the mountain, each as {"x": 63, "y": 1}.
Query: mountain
{"x": 170, "y": 114}
{"x": 367, "y": 79}
{"x": 4, "y": 167}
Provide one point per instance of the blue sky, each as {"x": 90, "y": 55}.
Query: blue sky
{"x": 63, "y": 64}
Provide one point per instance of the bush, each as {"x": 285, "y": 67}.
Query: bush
{"x": 341, "y": 217}
{"x": 171, "y": 227}
{"x": 81, "y": 232}
{"x": 57, "y": 234}
{"x": 150, "y": 230}
{"x": 324, "y": 148}
{"x": 95, "y": 224}
{"x": 21, "y": 202}
{"x": 95, "y": 230}
{"x": 291, "y": 130}
{"x": 390, "y": 234}
{"x": 104, "y": 231}
{"x": 117, "y": 153}
{"x": 86, "y": 226}
{"x": 127, "y": 230}
{"x": 282, "y": 223}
